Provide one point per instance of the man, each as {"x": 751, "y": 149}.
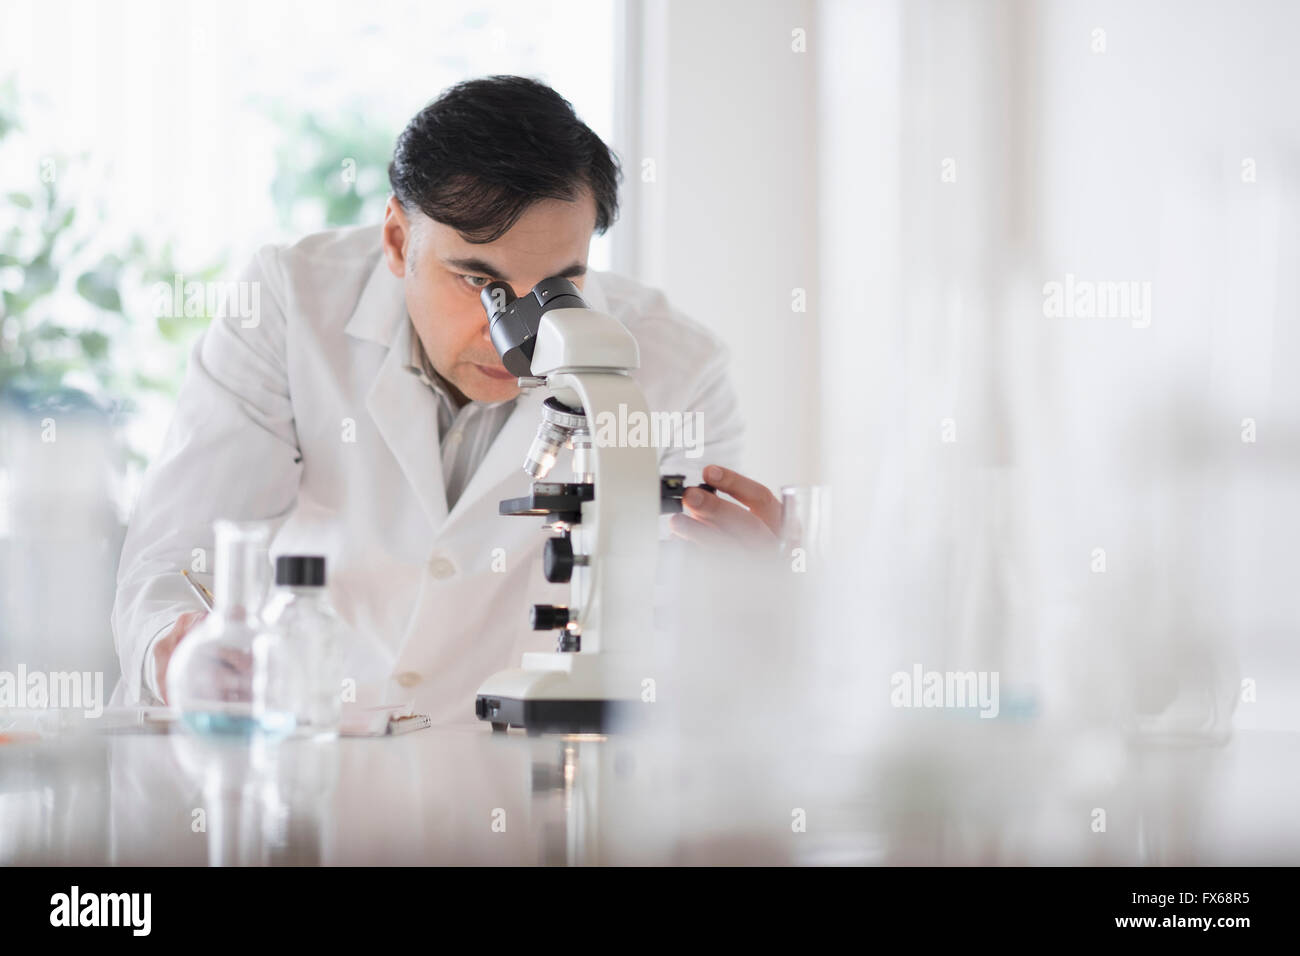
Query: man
{"x": 366, "y": 415}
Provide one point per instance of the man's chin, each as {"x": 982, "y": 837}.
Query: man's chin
{"x": 489, "y": 388}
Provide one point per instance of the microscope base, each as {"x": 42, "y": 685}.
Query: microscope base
{"x": 551, "y": 716}
{"x": 557, "y": 694}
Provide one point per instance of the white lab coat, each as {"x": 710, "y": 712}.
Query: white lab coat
{"x": 311, "y": 418}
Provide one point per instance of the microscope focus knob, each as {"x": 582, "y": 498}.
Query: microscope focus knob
{"x": 549, "y": 617}
{"x": 557, "y": 559}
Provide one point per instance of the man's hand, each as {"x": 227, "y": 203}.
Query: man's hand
{"x": 166, "y": 646}
{"x": 710, "y": 520}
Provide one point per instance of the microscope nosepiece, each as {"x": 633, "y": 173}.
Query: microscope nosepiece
{"x": 544, "y": 450}
{"x": 558, "y": 425}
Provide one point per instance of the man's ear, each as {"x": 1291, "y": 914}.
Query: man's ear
{"x": 396, "y": 237}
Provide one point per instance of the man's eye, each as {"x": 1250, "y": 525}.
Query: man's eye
{"x": 475, "y": 282}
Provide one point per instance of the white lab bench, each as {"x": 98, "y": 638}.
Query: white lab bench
{"x": 463, "y": 795}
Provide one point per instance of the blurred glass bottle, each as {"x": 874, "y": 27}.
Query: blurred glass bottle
{"x": 210, "y": 676}
{"x": 300, "y": 653}
{"x": 806, "y": 521}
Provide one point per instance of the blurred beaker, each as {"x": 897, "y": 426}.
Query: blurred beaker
{"x": 210, "y": 677}
{"x": 806, "y": 520}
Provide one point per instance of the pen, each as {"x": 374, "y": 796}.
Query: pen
{"x": 200, "y": 592}
{"x": 206, "y": 599}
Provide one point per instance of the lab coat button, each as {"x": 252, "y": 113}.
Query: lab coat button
{"x": 408, "y": 678}
{"x": 441, "y": 568}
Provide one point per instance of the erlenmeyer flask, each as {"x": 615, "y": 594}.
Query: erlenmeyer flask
{"x": 210, "y": 676}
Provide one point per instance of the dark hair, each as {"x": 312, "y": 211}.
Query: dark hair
{"x": 487, "y": 149}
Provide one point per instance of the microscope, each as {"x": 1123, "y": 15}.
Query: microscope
{"x": 602, "y": 526}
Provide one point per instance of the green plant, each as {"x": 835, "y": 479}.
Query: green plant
{"x": 73, "y": 326}
{"x": 330, "y": 172}
{"x": 78, "y": 325}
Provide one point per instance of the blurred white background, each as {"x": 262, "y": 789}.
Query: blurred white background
{"x": 1103, "y": 505}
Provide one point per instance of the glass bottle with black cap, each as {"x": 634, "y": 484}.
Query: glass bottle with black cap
{"x": 299, "y": 673}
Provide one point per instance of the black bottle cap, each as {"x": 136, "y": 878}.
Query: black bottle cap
{"x": 300, "y": 570}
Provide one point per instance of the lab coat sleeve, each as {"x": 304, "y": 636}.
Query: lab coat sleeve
{"x": 713, "y": 429}
{"x": 231, "y": 452}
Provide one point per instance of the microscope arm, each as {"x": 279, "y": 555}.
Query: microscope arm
{"x": 614, "y": 596}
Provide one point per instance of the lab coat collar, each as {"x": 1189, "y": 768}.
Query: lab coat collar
{"x": 405, "y": 412}
{"x": 380, "y": 307}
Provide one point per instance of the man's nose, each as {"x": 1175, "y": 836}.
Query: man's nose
{"x": 522, "y": 287}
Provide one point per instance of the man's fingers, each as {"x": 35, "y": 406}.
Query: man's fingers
{"x": 753, "y": 495}
{"x": 184, "y": 624}
{"x": 166, "y": 646}
{"x": 240, "y": 662}
{"x": 727, "y": 517}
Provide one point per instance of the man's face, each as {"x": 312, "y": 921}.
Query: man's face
{"x": 443, "y": 274}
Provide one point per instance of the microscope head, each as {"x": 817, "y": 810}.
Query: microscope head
{"x": 551, "y": 336}
{"x": 513, "y": 325}
{"x": 513, "y": 322}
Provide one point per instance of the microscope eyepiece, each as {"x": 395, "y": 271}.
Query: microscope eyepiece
{"x": 513, "y": 322}
{"x": 496, "y": 298}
